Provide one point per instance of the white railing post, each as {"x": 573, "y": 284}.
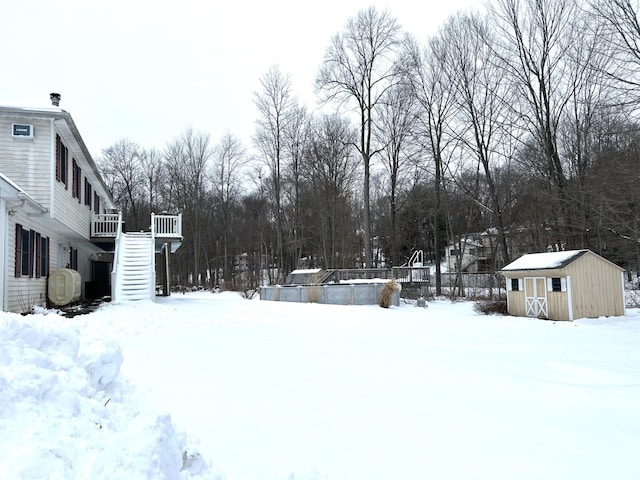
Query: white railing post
{"x": 152, "y": 277}
{"x": 153, "y": 225}
{"x": 119, "y": 226}
{"x": 115, "y": 278}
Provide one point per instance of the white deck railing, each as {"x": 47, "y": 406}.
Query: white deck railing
{"x": 166, "y": 226}
{"x": 108, "y": 225}
{"x": 105, "y": 224}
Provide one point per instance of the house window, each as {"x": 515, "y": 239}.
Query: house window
{"x": 76, "y": 186}
{"x": 23, "y": 251}
{"x": 454, "y": 252}
{"x": 62, "y": 162}
{"x": 96, "y": 203}
{"x": 515, "y": 285}
{"x": 73, "y": 258}
{"x": 472, "y": 251}
{"x": 32, "y": 250}
{"x": 556, "y": 285}
{"x": 88, "y": 192}
{"x": 43, "y": 262}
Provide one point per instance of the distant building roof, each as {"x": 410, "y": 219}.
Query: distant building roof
{"x": 545, "y": 261}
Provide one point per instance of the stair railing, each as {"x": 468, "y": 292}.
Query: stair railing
{"x": 152, "y": 262}
{"x": 115, "y": 278}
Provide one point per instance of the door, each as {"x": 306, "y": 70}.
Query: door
{"x": 535, "y": 297}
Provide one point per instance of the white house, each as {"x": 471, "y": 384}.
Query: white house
{"x": 55, "y": 209}
{"x": 471, "y": 253}
{"x": 50, "y": 189}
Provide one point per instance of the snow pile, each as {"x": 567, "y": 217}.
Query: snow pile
{"x": 64, "y": 414}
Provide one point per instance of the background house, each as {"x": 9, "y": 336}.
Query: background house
{"x": 564, "y": 286}
{"x": 471, "y": 253}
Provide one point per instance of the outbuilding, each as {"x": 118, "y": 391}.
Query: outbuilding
{"x": 564, "y": 285}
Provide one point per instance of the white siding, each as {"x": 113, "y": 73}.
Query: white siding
{"x": 3, "y": 252}
{"x": 30, "y": 163}
{"x": 68, "y": 211}
{"x": 27, "y": 161}
{"x": 24, "y": 291}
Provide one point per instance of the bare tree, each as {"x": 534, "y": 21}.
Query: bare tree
{"x": 436, "y": 99}
{"x": 591, "y": 96}
{"x": 533, "y": 51}
{"x": 358, "y": 68}
{"x": 482, "y": 94}
{"x": 394, "y": 129}
{"x": 229, "y": 160}
{"x": 621, "y": 28}
{"x": 274, "y": 102}
{"x": 331, "y": 173}
{"x": 152, "y": 166}
{"x": 121, "y": 164}
{"x": 187, "y": 163}
{"x": 296, "y": 143}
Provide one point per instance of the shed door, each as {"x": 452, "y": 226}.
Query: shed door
{"x": 535, "y": 297}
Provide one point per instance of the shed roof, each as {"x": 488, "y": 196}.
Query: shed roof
{"x": 545, "y": 261}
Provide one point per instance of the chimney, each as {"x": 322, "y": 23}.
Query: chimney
{"x": 55, "y": 99}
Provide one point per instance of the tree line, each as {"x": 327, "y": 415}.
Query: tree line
{"x": 519, "y": 122}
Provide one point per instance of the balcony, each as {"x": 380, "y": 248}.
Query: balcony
{"x": 105, "y": 225}
{"x": 164, "y": 227}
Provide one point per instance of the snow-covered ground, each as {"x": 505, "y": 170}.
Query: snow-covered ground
{"x": 212, "y": 386}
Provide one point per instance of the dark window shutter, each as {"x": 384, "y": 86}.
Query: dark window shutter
{"x": 45, "y": 267}
{"x": 18, "y": 269}
{"x": 38, "y": 245}
{"x": 58, "y": 159}
{"x": 32, "y": 238}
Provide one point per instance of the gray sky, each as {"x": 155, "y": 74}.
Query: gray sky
{"x": 148, "y": 69}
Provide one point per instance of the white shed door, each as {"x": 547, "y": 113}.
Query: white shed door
{"x": 535, "y": 297}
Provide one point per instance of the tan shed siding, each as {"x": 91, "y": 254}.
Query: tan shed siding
{"x": 558, "y": 305}
{"x": 516, "y": 304}
{"x": 27, "y": 161}
{"x": 596, "y": 288}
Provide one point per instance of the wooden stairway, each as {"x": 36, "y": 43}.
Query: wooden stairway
{"x": 133, "y": 276}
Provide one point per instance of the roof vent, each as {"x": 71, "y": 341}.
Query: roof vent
{"x": 55, "y": 99}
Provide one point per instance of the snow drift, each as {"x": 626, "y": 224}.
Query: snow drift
{"x": 65, "y": 414}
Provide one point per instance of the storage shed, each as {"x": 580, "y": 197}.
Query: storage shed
{"x": 564, "y": 286}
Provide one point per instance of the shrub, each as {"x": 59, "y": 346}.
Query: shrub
{"x": 490, "y": 307}
{"x": 387, "y": 292}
